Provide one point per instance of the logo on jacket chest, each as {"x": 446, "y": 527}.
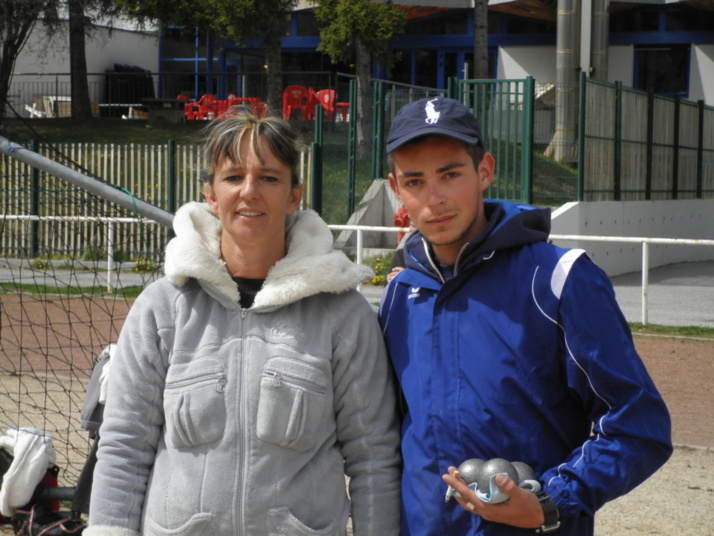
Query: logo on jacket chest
{"x": 413, "y": 293}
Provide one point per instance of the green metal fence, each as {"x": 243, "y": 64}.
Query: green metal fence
{"x": 505, "y": 109}
{"x": 636, "y": 145}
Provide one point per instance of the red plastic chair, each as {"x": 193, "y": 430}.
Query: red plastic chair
{"x": 187, "y": 110}
{"x": 205, "y": 108}
{"x": 327, "y": 98}
{"x": 343, "y": 108}
{"x": 296, "y": 98}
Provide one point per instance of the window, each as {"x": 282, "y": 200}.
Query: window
{"x": 665, "y": 70}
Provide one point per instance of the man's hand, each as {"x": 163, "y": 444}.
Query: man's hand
{"x": 521, "y": 510}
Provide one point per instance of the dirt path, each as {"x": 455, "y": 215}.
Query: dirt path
{"x": 679, "y": 498}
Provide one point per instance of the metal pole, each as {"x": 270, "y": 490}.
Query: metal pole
{"x": 94, "y": 186}
{"x": 110, "y": 257}
{"x": 645, "y": 278}
{"x": 581, "y": 137}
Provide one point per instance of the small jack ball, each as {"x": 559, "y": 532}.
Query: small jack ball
{"x": 494, "y": 467}
{"x": 471, "y": 469}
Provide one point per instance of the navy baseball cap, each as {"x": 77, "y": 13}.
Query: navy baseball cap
{"x": 436, "y": 115}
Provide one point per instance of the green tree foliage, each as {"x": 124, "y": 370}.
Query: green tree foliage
{"x": 345, "y": 22}
{"x": 368, "y": 26}
{"x": 17, "y": 19}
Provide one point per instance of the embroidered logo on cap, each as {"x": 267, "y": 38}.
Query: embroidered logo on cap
{"x": 432, "y": 116}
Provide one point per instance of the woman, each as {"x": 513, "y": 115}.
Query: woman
{"x": 248, "y": 382}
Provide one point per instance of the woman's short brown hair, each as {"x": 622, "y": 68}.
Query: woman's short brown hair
{"x": 225, "y": 136}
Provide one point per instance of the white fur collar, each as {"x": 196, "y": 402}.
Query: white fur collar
{"x": 310, "y": 266}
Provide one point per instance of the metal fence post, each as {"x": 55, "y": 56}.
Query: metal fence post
{"x": 378, "y": 126}
{"x": 527, "y": 146}
{"x": 675, "y": 148}
{"x": 617, "y": 187}
{"x": 645, "y": 278}
{"x": 580, "y": 192}
{"x": 650, "y": 143}
{"x": 316, "y": 164}
{"x": 171, "y": 181}
{"x": 700, "y": 150}
{"x": 34, "y": 205}
{"x": 352, "y": 149}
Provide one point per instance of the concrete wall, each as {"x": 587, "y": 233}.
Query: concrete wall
{"x": 377, "y": 208}
{"x": 44, "y": 54}
{"x": 691, "y": 219}
{"x": 702, "y": 65}
{"x": 515, "y": 62}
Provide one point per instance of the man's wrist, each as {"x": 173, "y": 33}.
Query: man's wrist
{"x": 550, "y": 513}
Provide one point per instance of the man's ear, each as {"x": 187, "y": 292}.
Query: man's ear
{"x": 486, "y": 170}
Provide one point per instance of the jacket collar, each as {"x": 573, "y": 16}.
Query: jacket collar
{"x": 310, "y": 266}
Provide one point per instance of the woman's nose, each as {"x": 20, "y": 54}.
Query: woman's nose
{"x": 250, "y": 186}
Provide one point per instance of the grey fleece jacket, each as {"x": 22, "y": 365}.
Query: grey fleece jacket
{"x": 228, "y": 421}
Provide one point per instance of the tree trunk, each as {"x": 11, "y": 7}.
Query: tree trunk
{"x": 481, "y": 70}
{"x": 274, "y": 82}
{"x": 81, "y": 106}
{"x": 363, "y": 70}
{"x": 481, "y": 40}
{"x": 14, "y": 38}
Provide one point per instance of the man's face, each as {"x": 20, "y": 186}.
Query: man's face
{"x": 442, "y": 190}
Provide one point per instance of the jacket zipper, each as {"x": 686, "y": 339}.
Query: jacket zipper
{"x": 242, "y": 426}
{"x": 279, "y": 378}
{"x": 219, "y": 380}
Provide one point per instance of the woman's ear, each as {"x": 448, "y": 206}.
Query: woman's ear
{"x": 295, "y": 198}
{"x": 210, "y": 198}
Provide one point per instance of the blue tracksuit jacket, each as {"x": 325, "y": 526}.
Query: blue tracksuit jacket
{"x": 525, "y": 355}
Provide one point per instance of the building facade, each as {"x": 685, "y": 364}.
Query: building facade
{"x": 665, "y": 45}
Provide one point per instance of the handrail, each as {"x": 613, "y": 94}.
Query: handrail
{"x": 645, "y": 241}
{"x": 360, "y": 229}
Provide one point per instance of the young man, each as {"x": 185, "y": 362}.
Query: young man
{"x": 505, "y": 346}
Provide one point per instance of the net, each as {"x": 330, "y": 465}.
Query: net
{"x": 71, "y": 264}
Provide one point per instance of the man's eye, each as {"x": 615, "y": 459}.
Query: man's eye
{"x": 232, "y": 178}
{"x": 268, "y": 178}
{"x": 412, "y": 182}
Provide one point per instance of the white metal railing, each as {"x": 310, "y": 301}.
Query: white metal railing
{"x": 645, "y": 254}
{"x": 111, "y": 233}
{"x": 361, "y": 229}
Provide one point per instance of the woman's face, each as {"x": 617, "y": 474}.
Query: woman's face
{"x": 253, "y": 200}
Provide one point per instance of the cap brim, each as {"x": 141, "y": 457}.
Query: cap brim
{"x": 427, "y": 131}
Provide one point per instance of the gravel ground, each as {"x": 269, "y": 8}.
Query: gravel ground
{"x": 679, "y": 498}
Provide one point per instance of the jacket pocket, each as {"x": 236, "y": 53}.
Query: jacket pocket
{"x": 291, "y": 404}
{"x": 194, "y": 403}
{"x": 284, "y": 523}
{"x": 197, "y": 525}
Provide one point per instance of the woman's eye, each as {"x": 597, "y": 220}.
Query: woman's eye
{"x": 232, "y": 178}
{"x": 270, "y": 179}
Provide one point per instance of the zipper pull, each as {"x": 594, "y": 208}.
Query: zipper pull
{"x": 277, "y": 380}
{"x": 220, "y": 385}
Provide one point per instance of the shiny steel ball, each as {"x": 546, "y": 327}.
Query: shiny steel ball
{"x": 471, "y": 469}
{"x": 494, "y": 467}
{"x": 525, "y": 472}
